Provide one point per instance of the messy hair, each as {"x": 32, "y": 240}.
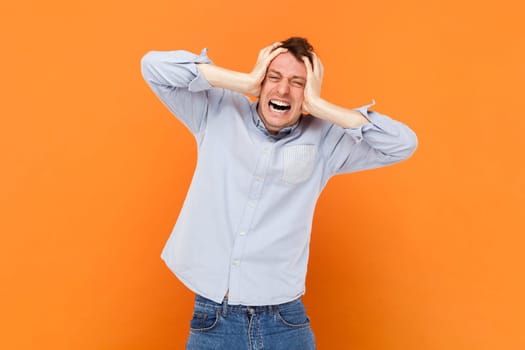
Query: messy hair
{"x": 298, "y": 47}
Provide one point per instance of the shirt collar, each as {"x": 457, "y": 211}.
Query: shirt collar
{"x": 257, "y": 121}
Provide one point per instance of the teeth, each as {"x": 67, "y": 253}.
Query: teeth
{"x": 279, "y": 106}
{"x": 279, "y": 103}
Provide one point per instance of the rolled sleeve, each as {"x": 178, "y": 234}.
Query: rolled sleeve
{"x": 199, "y": 83}
{"x": 357, "y": 133}
{"x": 175, "y": 69}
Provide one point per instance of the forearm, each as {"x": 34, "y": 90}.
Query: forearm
{"x": 343, "y": 117}
{"x": 227, "y": 79}
{"x": 318, "y": 107}
{"x": 246, "y": 83}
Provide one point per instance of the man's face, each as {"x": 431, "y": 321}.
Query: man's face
{"x": 282, "y": 92}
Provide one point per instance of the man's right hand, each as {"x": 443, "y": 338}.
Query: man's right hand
{"x": 258, "y": 73}
{"x": 246, "y": 83}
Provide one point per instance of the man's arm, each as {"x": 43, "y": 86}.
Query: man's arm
{"x": 357, "y": 139}
{"x": 183, "y": 81}
{"x": 246, "y": 83}
{"x": 320, "y": 108}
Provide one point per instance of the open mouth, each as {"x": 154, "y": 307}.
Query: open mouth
{"x": 279, "y": 106}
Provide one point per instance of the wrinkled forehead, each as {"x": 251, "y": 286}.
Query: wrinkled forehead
{"x": 288, "y": 66}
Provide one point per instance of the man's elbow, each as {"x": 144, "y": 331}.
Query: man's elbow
{"x": 145, "y": 65}
{"x": 148, "y": 64}
{"x": 410, "y": 144}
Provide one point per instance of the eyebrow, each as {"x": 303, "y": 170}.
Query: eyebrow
{"x": 279, "y": 73}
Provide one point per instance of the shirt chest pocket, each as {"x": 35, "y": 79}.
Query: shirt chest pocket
{"x": 299, "y": 162}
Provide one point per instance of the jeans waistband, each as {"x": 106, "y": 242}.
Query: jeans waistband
{"x": 225, "y": 307}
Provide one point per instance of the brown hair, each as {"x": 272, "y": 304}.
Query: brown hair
{"x": 298, "y": 47}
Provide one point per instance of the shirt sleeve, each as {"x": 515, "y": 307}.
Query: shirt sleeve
{"x": 175, "y": 79}
{"x": 381, "y": 142}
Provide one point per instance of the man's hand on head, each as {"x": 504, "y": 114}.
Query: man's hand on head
{"x": 246, "y": 83}
{"x": 257, "y": 75}
{"x": 322, "y": 109}
{"x": 314, "y": 81}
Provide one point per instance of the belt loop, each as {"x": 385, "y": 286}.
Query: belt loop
{"x": 275, "y": 309}
{"x": 224, "y": 306}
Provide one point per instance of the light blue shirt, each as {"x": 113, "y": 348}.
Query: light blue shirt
{"x": 246, "y": 221}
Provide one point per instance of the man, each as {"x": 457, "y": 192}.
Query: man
{"x": 242, "y": 237}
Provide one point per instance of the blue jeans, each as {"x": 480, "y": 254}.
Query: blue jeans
{"x": 238, "y": 327}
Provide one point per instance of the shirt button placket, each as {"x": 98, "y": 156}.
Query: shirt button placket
{"x": 254, "y": 196}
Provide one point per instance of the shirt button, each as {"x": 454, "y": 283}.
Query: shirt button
{"x": 242, "y": 233}
{"x": 251, "y": 204}
{"x": 236, "y": 262}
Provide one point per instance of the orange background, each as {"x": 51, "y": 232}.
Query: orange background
{"x": 427, "y": 254}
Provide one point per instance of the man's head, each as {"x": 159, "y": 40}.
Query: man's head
{"x": 282, "y": 90}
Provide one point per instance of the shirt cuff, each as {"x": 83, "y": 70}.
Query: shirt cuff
{"x": 357, "y": 133}
{"x": 199, "y": 83}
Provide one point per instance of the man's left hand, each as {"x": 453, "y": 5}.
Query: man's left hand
{"x": 314, "y": 80}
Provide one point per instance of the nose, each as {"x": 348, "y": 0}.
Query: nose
{"x": 283, "y": 88}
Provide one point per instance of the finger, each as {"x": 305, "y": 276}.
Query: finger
{"x": 273, "y": 46}
{"x": 308, "y": 66}
{"x": 276, "y": 52}
{"x": 318, "y": 66}
{"x": 266, "y": 50}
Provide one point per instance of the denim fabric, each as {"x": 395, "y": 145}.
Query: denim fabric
{"x": 238, "y": 327}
